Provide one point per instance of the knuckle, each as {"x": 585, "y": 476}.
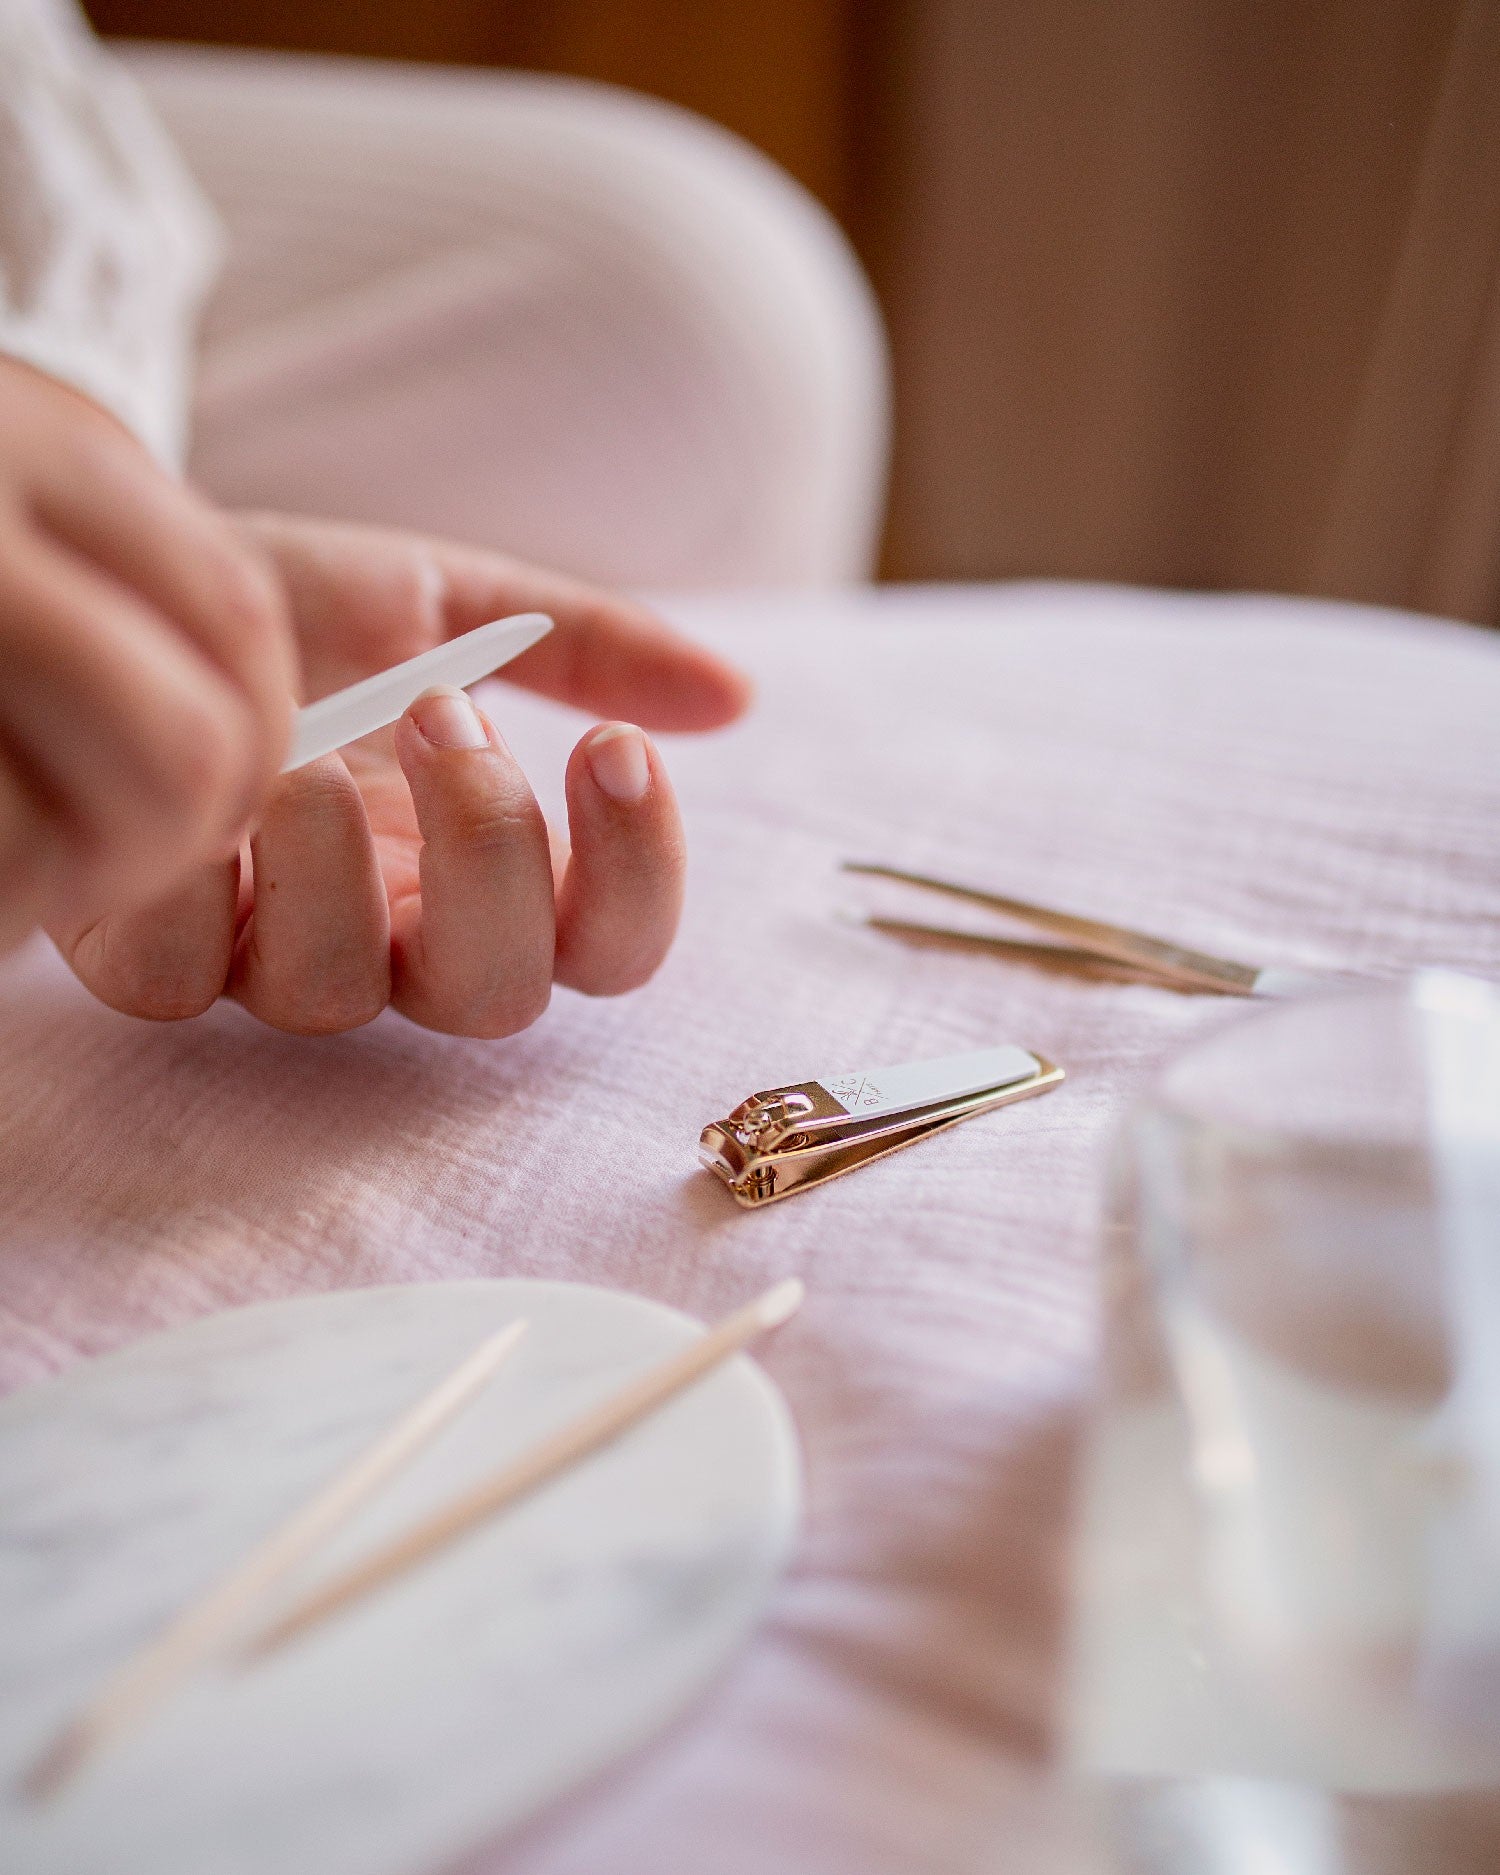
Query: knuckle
{"x": 152, "y": 977}
{"x": 249, "y": 590}
{"x": 159, "y": 998}
{"x": 249, "y": 599}
{"x": 323, "y": 792}
{"x": 494, "y": 824}
{"x": 614, "y": 976}
{"x": 506, "y": 1008}
{"x": 327, "y": 990}
{"x": 330, "y": 1007}
{"x": 615, "y": 961}
{"x": 202, "y": 771}
{"x": 334, "y": 1016}
{"x": 515, "y": 1010}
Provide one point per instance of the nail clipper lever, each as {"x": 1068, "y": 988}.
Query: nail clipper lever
{"x": 788, "y": 1138}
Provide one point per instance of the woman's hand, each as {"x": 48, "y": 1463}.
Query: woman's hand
{"x": 146, "y": 666}
{"x": 414, "y": 869}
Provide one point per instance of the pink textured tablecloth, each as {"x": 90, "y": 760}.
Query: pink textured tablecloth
{"x": 1295, "y": 784}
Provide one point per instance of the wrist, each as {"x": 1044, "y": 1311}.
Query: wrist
{"x": 47, "y": 374}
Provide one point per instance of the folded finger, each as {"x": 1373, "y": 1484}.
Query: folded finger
{"x": 314, "y": 957}
{"x": 472, "y": 955}
{"x": 168, "y": 547}
{"x": 621, "y": 896}
{"x": 142, "y": 752}
{"x": 165, "y": 961}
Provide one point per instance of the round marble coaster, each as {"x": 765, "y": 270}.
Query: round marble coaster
{"x": 453, "y": 1702}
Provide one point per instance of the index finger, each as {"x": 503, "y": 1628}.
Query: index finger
{"x": 366, "y": 598}
{"x": 610, "y": 656}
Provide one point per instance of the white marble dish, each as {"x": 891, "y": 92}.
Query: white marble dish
{"x": 454, "y": 1702}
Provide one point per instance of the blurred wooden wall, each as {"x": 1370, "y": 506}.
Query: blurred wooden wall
{"x": 783, "y": 73}
{"x": 1179, "y": 294}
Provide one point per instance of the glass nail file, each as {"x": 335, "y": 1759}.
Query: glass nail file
{"x": 790, "y": 1138}
{"x": 373, "y": 702}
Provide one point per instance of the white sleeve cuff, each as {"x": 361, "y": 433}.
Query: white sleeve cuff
{"x": 106, "y": 245}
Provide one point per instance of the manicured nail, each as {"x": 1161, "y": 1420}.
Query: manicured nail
{"x": 618, "y": 762}
{"x": 449, "y": 720}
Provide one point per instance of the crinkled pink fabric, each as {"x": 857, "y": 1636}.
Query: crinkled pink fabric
{"x": 1291, "y": 783}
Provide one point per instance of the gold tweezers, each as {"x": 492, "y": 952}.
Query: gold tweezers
{"x": 1088, "y": 942}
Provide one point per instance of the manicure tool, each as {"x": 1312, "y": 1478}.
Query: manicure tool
{"x": 375, "y": 701}
{"x": 1091, "y": 941}
{"x": 198, "y": 1631}
{"x": 790, "y": 1138}
{"x": 215, "y": 1619}
{"x": 553, "y": 1454}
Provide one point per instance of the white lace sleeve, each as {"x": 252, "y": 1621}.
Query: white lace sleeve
{"x": 106, "y": 245}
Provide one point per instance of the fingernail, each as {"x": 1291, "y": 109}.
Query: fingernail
{"x": 449, "y": 720}
{"x": 618, "y": 762}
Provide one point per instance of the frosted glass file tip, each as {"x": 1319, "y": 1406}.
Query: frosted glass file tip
{"x": 374, "y": 702}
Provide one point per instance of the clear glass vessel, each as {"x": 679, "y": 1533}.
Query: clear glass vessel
{"x": 1287, "y": 1646}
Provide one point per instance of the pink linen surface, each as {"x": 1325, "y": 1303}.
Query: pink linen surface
{"x": 1291, "y": 783}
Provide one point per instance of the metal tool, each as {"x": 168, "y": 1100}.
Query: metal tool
{"x": 790, "y": 1138}
{"x": 1090, "y": 941}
